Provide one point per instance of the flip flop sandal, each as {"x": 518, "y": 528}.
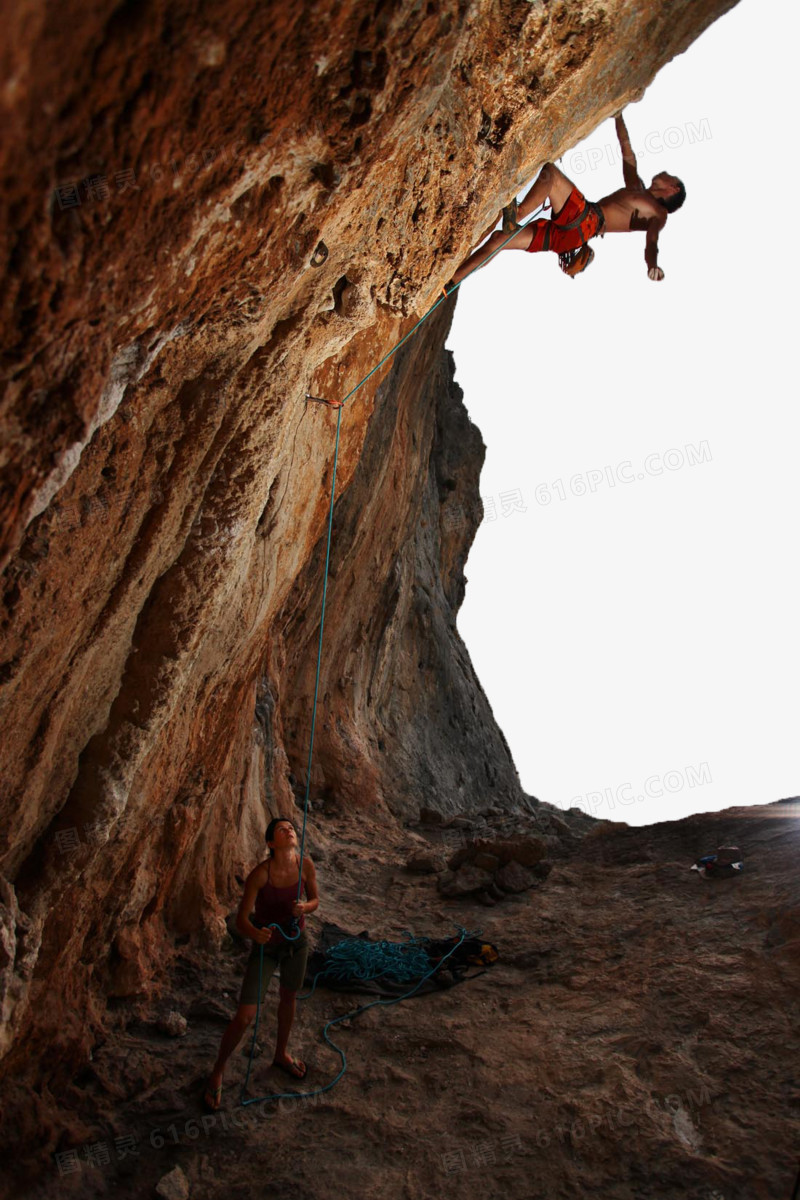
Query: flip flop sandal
{"x": 216, "y": 1092}
{"x": 289, "y": 1068}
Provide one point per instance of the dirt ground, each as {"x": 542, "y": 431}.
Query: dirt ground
{"x": 638, "y": 1038}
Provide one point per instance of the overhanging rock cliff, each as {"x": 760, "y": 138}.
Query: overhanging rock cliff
{"x": 169, "y": 172}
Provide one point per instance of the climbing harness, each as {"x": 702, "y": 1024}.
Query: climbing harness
{"x": 574, "y": 262}
{"x": 589, "y": 206}
{"x": 292, "y": 933}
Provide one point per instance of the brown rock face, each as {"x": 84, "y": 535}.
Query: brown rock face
{"x": 402, "y": 719}
{"x": 209, "y": 213}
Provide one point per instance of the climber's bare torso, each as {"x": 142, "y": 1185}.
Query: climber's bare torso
{"x": 630, "y": 209}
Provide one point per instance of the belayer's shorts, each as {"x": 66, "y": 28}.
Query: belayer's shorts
{"x": 578, "y": 220}
{"x": 292, "y": 959}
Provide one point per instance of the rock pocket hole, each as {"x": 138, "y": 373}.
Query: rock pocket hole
{"x": 326, "y": 174}
{"x": 338, "y": 293}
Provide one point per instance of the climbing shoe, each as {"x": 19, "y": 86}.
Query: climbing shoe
{"x": 572, "y": 262}
{"x": 449, "y": 288}
{"x": 510, "y": 222}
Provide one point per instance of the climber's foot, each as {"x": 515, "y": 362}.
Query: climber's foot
{"x": 510, "y": 222}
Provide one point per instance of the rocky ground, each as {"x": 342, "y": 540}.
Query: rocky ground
{"x": 637, "y": 1039}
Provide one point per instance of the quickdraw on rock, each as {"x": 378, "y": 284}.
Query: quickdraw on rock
{"x": 319, "y": 256}
{"x": 322, "y": 400}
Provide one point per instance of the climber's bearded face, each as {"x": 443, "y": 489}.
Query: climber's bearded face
{"x": 664, "y": 185}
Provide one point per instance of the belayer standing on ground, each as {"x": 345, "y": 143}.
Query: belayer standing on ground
{"x": 574, "y": 220}
{"x": 270, "y": 894}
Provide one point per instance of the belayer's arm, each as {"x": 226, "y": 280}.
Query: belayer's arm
{"x": 311, "y": 904}
{"x": 243, "y": 923}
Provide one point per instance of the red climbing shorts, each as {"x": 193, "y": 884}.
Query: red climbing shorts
{"x": 579, "y": 220}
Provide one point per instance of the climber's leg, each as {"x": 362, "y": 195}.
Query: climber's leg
{"x": 550, "y": 183}
{"x": 486, "y": 233}
{"x": 520, "y": 242}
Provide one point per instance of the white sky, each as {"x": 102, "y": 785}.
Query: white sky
{"x": 646, "y": 634}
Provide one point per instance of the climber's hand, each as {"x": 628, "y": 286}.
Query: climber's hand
{"x": 655, "y": 273}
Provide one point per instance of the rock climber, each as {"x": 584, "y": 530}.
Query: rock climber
{"x": 270, "y": 895}
{"x": 575, "y": 219}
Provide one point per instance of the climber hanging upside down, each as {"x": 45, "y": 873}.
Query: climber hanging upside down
{"x": 575, "y": 219}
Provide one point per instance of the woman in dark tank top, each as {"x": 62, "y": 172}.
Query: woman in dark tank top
{"x": 275, "y": 905}
{"x": 271, "y": 898}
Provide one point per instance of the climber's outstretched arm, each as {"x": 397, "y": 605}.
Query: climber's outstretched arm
{"x": 654, "y": 227}
{"x": 630, "y": 171}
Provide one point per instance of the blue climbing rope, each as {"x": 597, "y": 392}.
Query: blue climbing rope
{"x": 353, "y": 958}
{"x": 441, "y": 300}
{"x": 347, "y": 966}
{"x": 293, "y": 933}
